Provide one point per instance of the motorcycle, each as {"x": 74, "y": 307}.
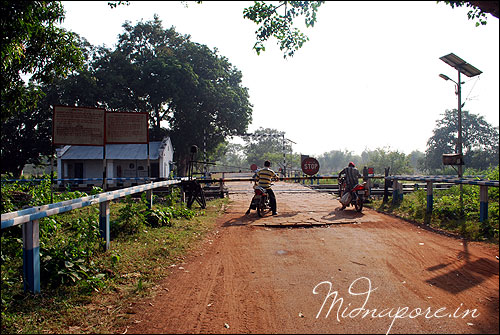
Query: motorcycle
{"x": 260, "y": 202}
{"x": 354, "y": 197}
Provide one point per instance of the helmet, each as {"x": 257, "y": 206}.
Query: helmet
{"x": 352, "y": 164}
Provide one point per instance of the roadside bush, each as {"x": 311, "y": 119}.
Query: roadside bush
{"x": 446, "y": 212}
{"x": 158, "y": 217}
{"x": 131, "y": 218}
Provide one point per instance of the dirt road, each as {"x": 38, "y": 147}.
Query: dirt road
{"x": 315, "y": 269}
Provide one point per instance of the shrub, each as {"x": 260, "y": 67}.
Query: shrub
{"x": 131, "y": 218}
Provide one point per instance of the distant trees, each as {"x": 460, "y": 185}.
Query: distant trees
{"x": 479, "y": 141}
{"x": 266, "y": 144}
{"x": 335, "y": 160}
{"x": 379, "y": 159}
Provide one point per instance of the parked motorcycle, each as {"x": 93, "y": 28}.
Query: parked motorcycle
{"x": 260, "y": 202}
{"x": 354, "y": 197}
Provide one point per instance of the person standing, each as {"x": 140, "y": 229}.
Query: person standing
{"x": 264, "y": 178}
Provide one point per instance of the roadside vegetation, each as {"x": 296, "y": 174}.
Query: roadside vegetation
{"x": 85, "y": 289}
{"x": 446, "y": 213}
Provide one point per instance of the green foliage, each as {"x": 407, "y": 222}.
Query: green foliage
{"x": 266, "y": 144}
{"x": 280, "y": 26}
{"x": 70, "y": 242}
{"x": 397, "y": 161}
{"x": 131, "y": 218}
{"x": 18, "y": 195}
{"x": 476, "y": 13}
{"x": 160, "y": 71}
{"x": 479, "y": 141}
{"x": 32, "y": 44}
{"x": 446, "y": 213}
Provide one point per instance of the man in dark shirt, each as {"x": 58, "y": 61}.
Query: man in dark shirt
{"x": 351, "y": 176}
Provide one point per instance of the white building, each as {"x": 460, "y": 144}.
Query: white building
{"x": 122, "y": 161}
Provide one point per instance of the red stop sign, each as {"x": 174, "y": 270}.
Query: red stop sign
{"x": 253, "y": 167}
{"x": 310, "y": 166}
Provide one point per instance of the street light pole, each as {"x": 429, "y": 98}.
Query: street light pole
{"x": 459, "y": 94}
{"x": 460, "y": 167}
{"x": 470, "y": 71}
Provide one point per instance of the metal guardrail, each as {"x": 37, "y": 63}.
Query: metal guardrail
{"x": 397, "y": 194}
{"x": 445, "y": 179}
{"x": 29, "y": 219}
{"x": 36, "y": 213}
{"x": 76, "y": 179}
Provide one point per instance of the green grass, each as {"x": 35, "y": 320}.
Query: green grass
{"x": 128, "y": 271}
{"x": 446, "y": 212}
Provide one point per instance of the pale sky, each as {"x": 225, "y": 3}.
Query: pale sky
{"x": 367, "y": 78}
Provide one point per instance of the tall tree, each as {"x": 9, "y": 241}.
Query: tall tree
{"x": 32, "y": 45}
{"x": 479, "y": 140}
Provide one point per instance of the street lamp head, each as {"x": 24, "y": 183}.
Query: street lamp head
{"x": 445, "y": 77}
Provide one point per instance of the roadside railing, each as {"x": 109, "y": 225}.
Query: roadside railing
{"x": 397, "y": 194}
{"x": 30, "y": 217}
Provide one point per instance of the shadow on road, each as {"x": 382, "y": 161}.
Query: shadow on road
{"x": 341, "y": 215}
{"x": 468, "y": 275}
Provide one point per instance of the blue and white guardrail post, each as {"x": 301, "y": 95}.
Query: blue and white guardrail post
{"x": 104, "y": 228}
{"x": 483, "y": 203}
{"x": 430, "y": 202}
{"x": 31, "y": 256}
{"x": 30, "y": 217}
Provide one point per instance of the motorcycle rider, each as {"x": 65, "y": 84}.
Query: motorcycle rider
{"x": 351, "y": 176}
{"x": 264, "y": 178}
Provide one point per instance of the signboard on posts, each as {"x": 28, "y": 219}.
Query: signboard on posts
{"x": 78, "y": 126}
{"x": 126, "y": 128}
{"x": 95, "y": 126}
{"x": 310, "y": 166}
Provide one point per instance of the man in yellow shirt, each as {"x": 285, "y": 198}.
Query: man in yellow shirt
{"x": 264, "y": 178}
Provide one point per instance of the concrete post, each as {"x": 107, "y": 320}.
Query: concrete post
{"x": 430, "y": 198}
{"x": 104, "y": 223}
{"x": 483, "y": 203}
{"x": 31, "y": 256}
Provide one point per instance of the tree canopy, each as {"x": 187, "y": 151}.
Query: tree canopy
{"x": 479, "y": 141}
{"x": 32, "y": 45}
{"x": 191, "y": 93}
{"x": 266, "y": 144}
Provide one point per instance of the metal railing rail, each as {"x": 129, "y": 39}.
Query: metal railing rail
{"x": 397, "y": 195}
{"x": 29, "y": 218}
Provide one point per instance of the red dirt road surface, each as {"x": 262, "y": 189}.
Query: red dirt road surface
{"x": 315, "y": 269}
